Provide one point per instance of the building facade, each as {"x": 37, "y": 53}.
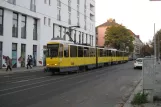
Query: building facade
{"x": 27, "y": 25}
{"x": 138, "y": 44}
{"x": 101, "y": 29}
{"x": 100, "y": 38}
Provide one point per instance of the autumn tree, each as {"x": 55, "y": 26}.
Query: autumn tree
{"x": 146, "y": 50}
{"x": 117, "y": 36}
{"x": 158, "y": 42}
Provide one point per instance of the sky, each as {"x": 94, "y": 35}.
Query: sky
{"x": 137, "y": 15}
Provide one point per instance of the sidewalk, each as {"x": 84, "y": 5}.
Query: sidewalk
{"x": 21, "y": 70}
{"x": 156, "y": 93}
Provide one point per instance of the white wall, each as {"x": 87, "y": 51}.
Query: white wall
{"x": 45, "y": 32}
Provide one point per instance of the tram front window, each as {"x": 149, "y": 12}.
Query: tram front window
{"x": 53, "y": 50}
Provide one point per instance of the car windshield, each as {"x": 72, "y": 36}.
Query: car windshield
{"x": 139, "y": 60}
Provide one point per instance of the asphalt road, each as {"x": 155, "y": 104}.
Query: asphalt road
{"x": 103, "y": 87}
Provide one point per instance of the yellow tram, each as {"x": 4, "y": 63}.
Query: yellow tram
{"x": 68, "y": 57}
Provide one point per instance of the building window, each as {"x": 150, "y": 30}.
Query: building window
{"x": 69, "y": 20}
{"x": 34, "y": 55}
{"x": 35, "y": 30}
{"x": 58, "y": 14}
{"x": 86, "y": 38}
{"x": 58, "y": 10}
{"x": 78, "y": 21}
{"x": 15, "y": 25}
{"x": 58, "y": 3}
{"x": 49, "y": 2}
{"x": 64, "y": 31}
{"x": 79, "y": 37}
{"x": 49, "y": 21}
{"x": 78, "y": 1}
{"x": 12, "y": 1}
{"x": 45, "y": 1}
{"x": 23, "y": 27}
{"x": 44, "y": 20}
{"x": 33, "y": 5}
{"x": 34, "y": 48}
{"x": 92, "y": 41}
{"x": 82, "y": 38}
{"x": 1, "y": 21}
{"x": 23, "y": 55}
{"x": 1, "y": 46}
{"x": 69, "y": 5}
{"x": 75, "y": 34}
{"x": 85, "y": 25}
{"x": 60, "y": 31}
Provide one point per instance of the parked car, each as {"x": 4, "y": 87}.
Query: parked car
{"x": 138, "y": 63}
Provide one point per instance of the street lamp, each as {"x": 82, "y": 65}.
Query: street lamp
{"x": 70, "y": 31}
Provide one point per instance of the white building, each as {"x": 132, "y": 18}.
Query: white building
{"x": 27, "y": 25}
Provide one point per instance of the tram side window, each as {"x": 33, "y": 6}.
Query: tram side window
{"x": 60, "y": 50}
{"x": 86, "y": 52}
{"x": 80, "y": 51}
{"x": 121, "y": 54}
{"x": 117, "y": 53}
{"x": 101, "y": 52}
{"x": 113, "y": 53}
{"x": 104, "y": 53}
{"x": 92, "y": 52}
{"x": 98, "y": 52}
{"x": 107, "y": 53}
{"x": 66, "y": 51}
{"x": 73, "y": 51}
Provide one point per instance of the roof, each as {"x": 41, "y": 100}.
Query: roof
{"x": 132, "y": 33}
{"x": 109, "y": 22}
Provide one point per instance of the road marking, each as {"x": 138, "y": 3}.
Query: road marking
{"x": 28, "y": 80}
{"x": 23, "y": 80}
{"x": 44, "y": 84}
{"x": 18, "y": 77}
{"x": 29, "y": 98}
{"x": 43, "y": 81}
{"x": 12, "y": 79}
{"x": 29, "y": 84}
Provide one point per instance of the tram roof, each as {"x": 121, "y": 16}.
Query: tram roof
{"x": 71, "y": 43}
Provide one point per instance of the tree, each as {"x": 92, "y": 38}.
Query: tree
{"x": 158, "y": 42}
{"x": 146, "y": 50}
{"x": 117, "y": 36}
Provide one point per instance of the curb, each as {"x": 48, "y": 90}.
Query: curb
{"x": 135, "y": 90}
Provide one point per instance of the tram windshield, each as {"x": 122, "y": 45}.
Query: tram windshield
{"x": 52, "y": 50}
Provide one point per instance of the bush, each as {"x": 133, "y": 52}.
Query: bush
{"x": 139, "y": 98}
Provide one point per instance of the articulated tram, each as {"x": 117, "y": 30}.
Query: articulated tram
{"x": 68, "y": 57}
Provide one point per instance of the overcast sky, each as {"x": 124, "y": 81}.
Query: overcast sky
{"x": 137, "y": 15}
